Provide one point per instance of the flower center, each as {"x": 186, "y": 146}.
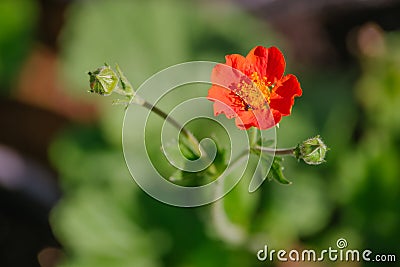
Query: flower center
{"x": 262, "y": 84}
{"x": 254, "y": 92}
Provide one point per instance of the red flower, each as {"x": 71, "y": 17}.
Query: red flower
{"x": 252, "y": 89}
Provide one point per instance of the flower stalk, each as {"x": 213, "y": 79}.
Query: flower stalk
{"x": 188, "y": 134}
{"x": 312, "y": 151}
{"x": 277, "y": 151}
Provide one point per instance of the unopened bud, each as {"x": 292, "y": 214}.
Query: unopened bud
{"x": 312, "y": 151}
{"x": 103, "y": 80}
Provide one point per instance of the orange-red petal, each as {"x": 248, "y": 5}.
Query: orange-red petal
{"x": 222, "y": 99}
{"x": 239, "y": 62}
{"x": 260, "y": 118}
{"x": 277, "y": 116}
{"x": 276, "y": 64}
{"x": 258, "y": 57}
{"x": 268, "y": 62}
{"x": 283, "y": 94}
{"x": 228, "y": 76}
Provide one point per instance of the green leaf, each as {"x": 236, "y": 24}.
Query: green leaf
{"x": 125, "y": 84}
{"x": 187, "y": 148}
{"x": 189, "y": 178}
{"x": 276, "y": 171}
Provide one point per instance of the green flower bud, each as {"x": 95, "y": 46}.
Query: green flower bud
{"x": 103, "y": 80}
{"x": 312, "y": 151}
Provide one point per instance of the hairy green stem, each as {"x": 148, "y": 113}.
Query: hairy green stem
{"x": 196, "y": 147}
{"x": 277, "y": 151}
{"x": 174, "y": 123}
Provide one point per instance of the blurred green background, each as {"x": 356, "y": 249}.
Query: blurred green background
{"x": 66, "y": 195}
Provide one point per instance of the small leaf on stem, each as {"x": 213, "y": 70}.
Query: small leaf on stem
{"x": 276, "y": 171}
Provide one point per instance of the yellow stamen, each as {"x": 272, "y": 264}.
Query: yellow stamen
{"x": 263, "y": 85}
{"x": 255, "y": 92}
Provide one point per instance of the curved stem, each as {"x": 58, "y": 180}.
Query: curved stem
{"x": 197, "y": 149}
{"x": 174, "y": 123}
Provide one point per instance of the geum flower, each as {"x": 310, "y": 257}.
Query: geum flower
{"x": 252, "y": 89}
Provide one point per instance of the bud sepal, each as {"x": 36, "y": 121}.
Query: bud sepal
{"x": 312, "y": 151}
{"x": 103, "y": 80}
